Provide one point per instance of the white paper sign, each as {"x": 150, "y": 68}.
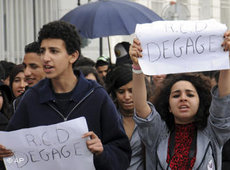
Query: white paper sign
{"x": 55, "y": 147}
{"x": 182, "y": 46}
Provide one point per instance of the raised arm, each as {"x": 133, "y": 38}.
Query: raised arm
{"x": 139, "y": 88}
{"x": 224, "y": 78}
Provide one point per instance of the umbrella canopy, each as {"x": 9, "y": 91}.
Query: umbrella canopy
{"x": 109, "y": 17}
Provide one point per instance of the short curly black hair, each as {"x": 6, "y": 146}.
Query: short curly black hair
{"x": 64, "y": 31}
{"x": 202, "y": 86}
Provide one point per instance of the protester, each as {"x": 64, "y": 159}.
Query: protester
{"x": 18, "y": 83}
{"x": 7, "y": 66}
{"x": 2, "y": 73}
{"x": 33, "y": 64}
{"x": 5, "y": 109}
{"x": 102, "y": 66}
{"x": 33, "y": 72}
{"x": 63, "y": 96}
{"x": 180, "y": 133}
{"x": 33, "y": 68}
{"x": 119, "y": 85}
{"x": 84, "y": 61}
{"x": 213, "y": 75}
{"x": 154, "y": 84}
{"x": 90, "y": 73}
{"x": 158, "y": 79}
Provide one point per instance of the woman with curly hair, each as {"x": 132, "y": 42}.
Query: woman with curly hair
{"x": 187, "y": 127}
{"x": 202, "y": 86}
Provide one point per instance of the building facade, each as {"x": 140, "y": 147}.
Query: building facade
{"x": 20, "y": 21}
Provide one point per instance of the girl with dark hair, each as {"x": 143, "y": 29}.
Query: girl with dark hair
{"x": 187, "y": 127}
{"x": 18, "y": 83}
{"x": 90, "y": 73}
{"x": 119, "y": 85}
{"x": 5, "y": 109}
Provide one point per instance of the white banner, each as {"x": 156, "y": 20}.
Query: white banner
{"x": 55, "y": 147}
{"x": 182, "y": 46}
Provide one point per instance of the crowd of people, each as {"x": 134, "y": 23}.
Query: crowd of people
{"x": 135, "y": 121}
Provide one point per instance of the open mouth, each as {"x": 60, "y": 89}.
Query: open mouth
{"x": 30, "y": 81}
{"x": 183, "y": 108}
{"x": 47, "y": 68}
{"x": 20, "y": 91}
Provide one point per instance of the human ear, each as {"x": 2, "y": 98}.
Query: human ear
{"x": 74, "y": 57}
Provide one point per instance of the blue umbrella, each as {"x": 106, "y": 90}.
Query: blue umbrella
{"x": 109, "y": 17}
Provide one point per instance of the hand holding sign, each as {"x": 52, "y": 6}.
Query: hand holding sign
{"x": 4, "y": 152}
{"x": 94, "y": 143}
{"x": 135, "y": 51}
{"x": 181, "y": 46}
{"x": 57, "y": 146}
{"x": 226, "y": 43}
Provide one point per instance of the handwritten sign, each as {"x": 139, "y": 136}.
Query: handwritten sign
{"x": 59, "y": 146}
{"x": 182, "y": 46}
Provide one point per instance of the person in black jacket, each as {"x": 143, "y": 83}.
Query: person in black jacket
{"x": 64, "y": 95}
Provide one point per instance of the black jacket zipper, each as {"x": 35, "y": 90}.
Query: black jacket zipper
{"x": 66, "y": 118}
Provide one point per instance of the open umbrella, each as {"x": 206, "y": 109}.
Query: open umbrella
{"x": 109, "y": 17}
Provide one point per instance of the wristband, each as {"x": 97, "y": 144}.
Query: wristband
{"x": 136, "y": 67}
{"x": 137, "y": 71}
